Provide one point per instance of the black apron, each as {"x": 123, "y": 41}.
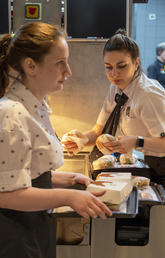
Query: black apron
{"x": 28, "y": 234}
{"x": 157, "y": 168}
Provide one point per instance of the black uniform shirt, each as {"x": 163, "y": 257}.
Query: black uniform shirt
{"x": 157, "y": 71}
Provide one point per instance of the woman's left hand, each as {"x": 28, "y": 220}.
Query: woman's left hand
{"x": 66, "y": 179}
{"x": 123, "y": 144}
{"x": 81, "y": 179}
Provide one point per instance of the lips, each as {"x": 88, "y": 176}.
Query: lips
{"x": 117, "y": 81}
{"x": 62, "y": 81}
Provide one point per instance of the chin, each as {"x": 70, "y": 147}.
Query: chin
{"x": 56, "y": 88}
{"x": 59, "y": 87}
{"x": 120, "y": 85}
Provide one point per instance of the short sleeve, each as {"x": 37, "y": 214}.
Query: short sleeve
{"x": 15, "y": 158}
{"x": 153, "y": 113}
{"x": 103, "y": 115}
{"x": 108, "y": 106}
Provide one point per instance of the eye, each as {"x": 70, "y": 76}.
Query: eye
{"x": 61, "y": 63}
{"x": 122, "y": 66}
{"x": 109, "y": 68}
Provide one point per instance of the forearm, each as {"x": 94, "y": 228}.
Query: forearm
{"x": 62, "y": 179}
{"x": 92, "y": 138}
{"x": 93, "y": 134}
{"x": 35, "y": 199}
{"x": 126, "y": 144}
{"x": 154, "y": 144}
{"x": 66, "y": 179}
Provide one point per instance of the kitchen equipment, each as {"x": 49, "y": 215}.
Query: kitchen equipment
{"x": 137, "y": 232}
{"x": 83, "y": 249}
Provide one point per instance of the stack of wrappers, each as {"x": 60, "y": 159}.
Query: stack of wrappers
{"x": 145, "y": 191}
{"x": 118, "y": 187}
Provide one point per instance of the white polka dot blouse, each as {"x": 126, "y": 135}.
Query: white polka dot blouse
{"x": 28, "y": 143}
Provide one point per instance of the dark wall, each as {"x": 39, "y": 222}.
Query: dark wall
{"x": 4, "y": 16}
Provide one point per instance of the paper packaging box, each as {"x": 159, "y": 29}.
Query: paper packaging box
{"x": 116, "y": 192}
{"x": 115, "y": 177}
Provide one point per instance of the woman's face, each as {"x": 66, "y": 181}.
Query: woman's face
{"x": 120, "y": 68}
{"x": 50, "y": 75}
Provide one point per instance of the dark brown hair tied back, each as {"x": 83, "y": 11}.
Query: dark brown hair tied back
{"x": 5, "y": 43}
{"x": 121, "y": 31}
{"x": 121, "y": 42}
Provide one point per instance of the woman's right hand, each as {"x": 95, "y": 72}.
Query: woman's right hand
{"x": 70, "y": 147}
{"x": 74, "y": 141}
{"x": 88, "y": 205}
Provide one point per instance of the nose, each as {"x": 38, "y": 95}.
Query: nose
{"x": 68, "y": 71}
{"x": 114, "y": 72}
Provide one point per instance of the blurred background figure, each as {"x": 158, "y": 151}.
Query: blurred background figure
{"x": 157, "y": 69}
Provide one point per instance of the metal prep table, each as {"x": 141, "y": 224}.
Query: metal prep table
{"x": 100, "y": 235}
{"x": 103, "y": 244}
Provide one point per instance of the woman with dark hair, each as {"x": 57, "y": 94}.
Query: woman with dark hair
{"x": 34, "y": 63}
{"x": 141, "y": 103}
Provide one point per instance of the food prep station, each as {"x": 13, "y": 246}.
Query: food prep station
{"x": 136, "y": 231}
{"x": 123, "y": 235}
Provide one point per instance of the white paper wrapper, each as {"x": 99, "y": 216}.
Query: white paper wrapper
{"x": 140, "y": 181}
{"x": 116, "y": 192}
{"x": 75, "y": 136}
{"x": 103, "y": 138}
{"x": 104, "y": 162}
{"x": 147, "y": 193}
{"x": 127, "y": 158}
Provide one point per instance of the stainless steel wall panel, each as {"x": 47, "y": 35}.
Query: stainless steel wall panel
{"x": 50, "y": 12}
{"x": 103, "y": 234}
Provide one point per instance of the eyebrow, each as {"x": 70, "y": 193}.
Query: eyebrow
{"x": 61, "y": 59}
{"x": 117, "y": 63}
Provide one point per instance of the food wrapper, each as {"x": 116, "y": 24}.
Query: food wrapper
{"x": 147, "y": 193}
{"x": 103, "y": 138}
{"x": 75, "y": 136}
{"x": 104, "y": 162}
{"x": 127, "y": 158}
{"x": 140, "y": 181}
